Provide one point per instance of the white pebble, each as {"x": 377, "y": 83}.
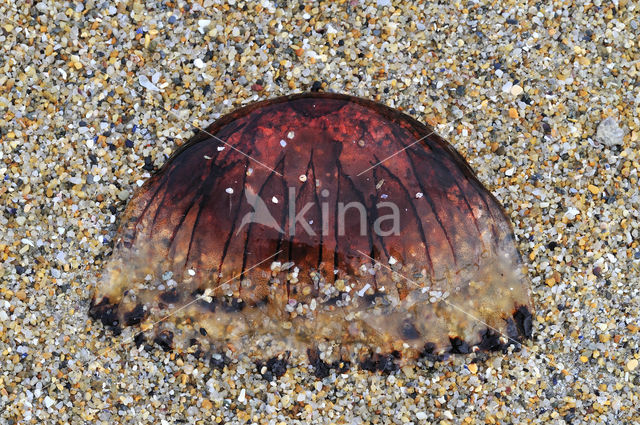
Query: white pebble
{"x": 48, "y": 402}
{"x": 144, "y": 82}
{"x": 123, "y": 195}
{"x": 571, "y": 213}
{"x": 203, "y": 24}
{"x": 364, "y": 290}
{"x": 609, "y": 132}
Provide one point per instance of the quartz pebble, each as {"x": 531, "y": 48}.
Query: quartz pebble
{"x": 48, "y": 402}
{"x": 123, "y": 195}
{"x": 609, "y": 132}
{"x": 144, "y": 82}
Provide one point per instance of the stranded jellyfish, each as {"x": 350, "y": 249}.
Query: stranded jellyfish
{"x": 322, "y": 224}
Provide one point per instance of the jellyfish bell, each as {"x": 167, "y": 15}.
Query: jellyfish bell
{"x": 317, "y": 221}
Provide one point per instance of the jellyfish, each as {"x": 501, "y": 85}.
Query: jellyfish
{"x": 323, "y": 224}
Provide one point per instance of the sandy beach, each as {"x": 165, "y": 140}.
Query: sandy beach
{"x": 542, "y": 100}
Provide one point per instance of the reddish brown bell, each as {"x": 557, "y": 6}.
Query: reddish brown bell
{"x": 318, "y": 219}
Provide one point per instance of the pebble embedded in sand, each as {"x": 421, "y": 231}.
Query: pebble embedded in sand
{"x": 516, "y": 90}
{"x": 609, "y": 132}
